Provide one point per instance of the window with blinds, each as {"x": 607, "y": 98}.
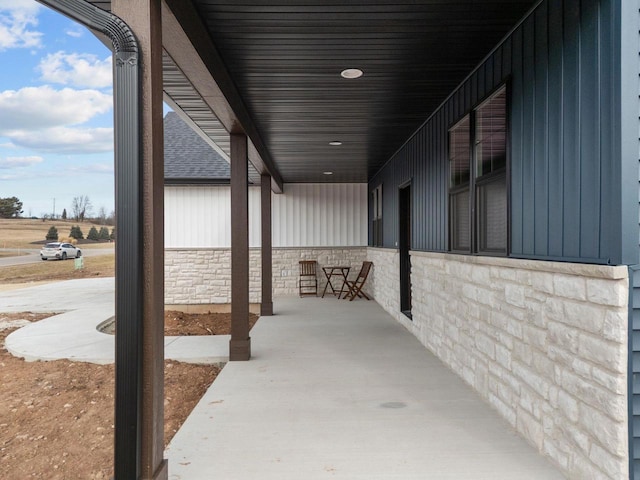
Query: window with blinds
{"x": 460, "y": 176}
{"x": 478, "y": 181}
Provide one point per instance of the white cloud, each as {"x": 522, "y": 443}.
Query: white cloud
{"x": 17, "y": 162}
{"x": 20, "y": 5}
{"x": 93, "y": 168}
{"x": 17, "y": 19}
{"x": 77, "y": 69}
{"x": 33, "y": 108}
{"x": 75, "y": 33}
{"x": 65, "y": 140}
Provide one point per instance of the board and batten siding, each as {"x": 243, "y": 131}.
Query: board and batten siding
{"x": 305, "y": 215}
{"x": 567, "y": 184}
{"x": 631, "y": 114}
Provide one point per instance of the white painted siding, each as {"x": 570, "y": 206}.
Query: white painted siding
{"x": 200, "y": 217}
{"x": 320, "y": 215}
{"x": 306, "y": 215}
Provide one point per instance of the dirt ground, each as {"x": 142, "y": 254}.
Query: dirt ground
{"x": 179, "y": 323}
{"x": 56, "y": 418}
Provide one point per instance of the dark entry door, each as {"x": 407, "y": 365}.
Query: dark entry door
{"x": 405, "y": 247}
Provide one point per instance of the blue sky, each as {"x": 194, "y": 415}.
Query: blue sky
{"x": 56, "y": 111}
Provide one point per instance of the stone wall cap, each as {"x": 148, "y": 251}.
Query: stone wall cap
{"x": 611, "y": 272}
{"x": 208, "y": 249}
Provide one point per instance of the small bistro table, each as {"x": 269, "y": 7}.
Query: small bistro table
{"x": 336, "y": 271}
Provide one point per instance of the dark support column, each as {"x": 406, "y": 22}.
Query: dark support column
{"x": 240, "y": 343}
{"x": 144, "y": 18}
{"x": 266, "y": 307}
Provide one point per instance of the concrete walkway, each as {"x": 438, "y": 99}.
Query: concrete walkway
{"x": 339, "y": 390}
{"x": 335, "y": 390}
{"x": 83, "y": 304}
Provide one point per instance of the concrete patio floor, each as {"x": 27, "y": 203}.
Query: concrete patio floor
{"x": 339, "y": 390}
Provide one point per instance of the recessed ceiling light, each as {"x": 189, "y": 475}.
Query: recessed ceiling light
{"x": 351, "y": 73}
{"x": 328, "y": 173}
{"x": 335, "y": 143}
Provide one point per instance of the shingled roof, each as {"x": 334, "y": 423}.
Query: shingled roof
{"x": 188, "y": 158}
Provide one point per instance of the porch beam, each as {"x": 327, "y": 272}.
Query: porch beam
{"x": 144, "y": 18}
{"x": 190, "y": 47}
{"x": 266, "y": 253}
{"x": 240, "y": 343}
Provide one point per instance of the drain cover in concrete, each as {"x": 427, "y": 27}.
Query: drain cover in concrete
{"x": 393, "y": 405}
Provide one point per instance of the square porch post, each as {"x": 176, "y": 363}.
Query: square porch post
{"x": 240, "y": 343}
{"x": 266, "y": 306}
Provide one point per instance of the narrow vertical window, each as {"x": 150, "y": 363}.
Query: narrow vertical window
{"x": 377, "y": 216}
{"x": 491, "y": 180}
{"x": 459, "y": 183}
{"x": 478, "y": 180}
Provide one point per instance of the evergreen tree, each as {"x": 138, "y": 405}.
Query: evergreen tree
{"x": 52, "y": 234}
{"x": 93, "y": 234}
{"x": 104, "y": 233}
{"x": 64, "y": 214}
{"x": 76, "y": 233}
{"x": 113, "y": 234}
{"x": 10, "y": 207}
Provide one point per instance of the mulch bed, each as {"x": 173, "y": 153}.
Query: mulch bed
{"x": 180, "y": 323}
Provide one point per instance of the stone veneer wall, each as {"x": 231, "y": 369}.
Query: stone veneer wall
{"x": 203, "y": 276}
{"x": 384, "y": 280}
{"x": 545, "y": 343}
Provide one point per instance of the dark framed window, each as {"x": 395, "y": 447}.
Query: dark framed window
{"x": 459, "y": 186}
{"x": 478, "y": 179}
{"x": 377, "y": 216}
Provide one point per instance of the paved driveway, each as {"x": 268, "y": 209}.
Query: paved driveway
{"x": 32, "y": 255}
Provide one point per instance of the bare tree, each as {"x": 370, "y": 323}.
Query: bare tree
{"x": 81, "y": 207}
{"x": 102, "y": 215}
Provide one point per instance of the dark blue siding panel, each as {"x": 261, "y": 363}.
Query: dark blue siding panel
{"x": 488, "y": 71}
{"x": 571, "y": 131}
{"x": 472, "y": 84}
{"x": 589, "y": 128}
{"x": 528, "y": 135}
{"x": 517, "y": 152}
{"x": 554, "y": 131}
{"x": 506, "y": 58}
{"x": 497, "y": 67}
{"x": 467, "y": 96}
{"x": 478, "y": 81}
{"x": 540, "y": 127}
{"x": 609, "y": 167}
{"x": 564, "y": 174}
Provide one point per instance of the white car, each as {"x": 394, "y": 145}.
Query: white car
{"x": 61, "y": 251}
